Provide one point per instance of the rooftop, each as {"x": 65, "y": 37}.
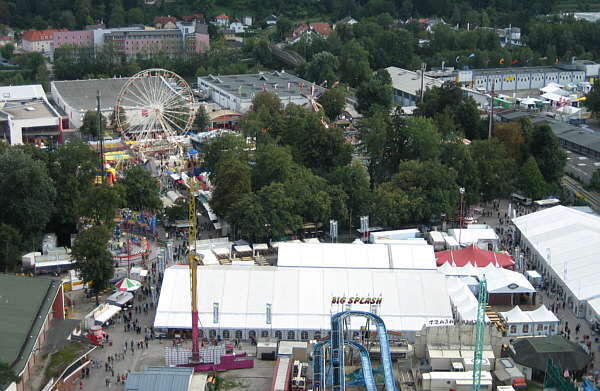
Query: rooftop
{"x": 22, "y": 299}
{"x": 27, "y": 109}
{"x": 40, "y": 35}
{"x": 247, "y": 86}
{"x": 409, "y": 81}
{"x": 82, "y": 93}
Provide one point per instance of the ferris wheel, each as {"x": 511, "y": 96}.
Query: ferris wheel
{"x": 153, "y": 108}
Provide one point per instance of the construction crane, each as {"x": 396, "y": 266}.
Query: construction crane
{"x": 479, "y": 334}
{"x": 194, "y": 261}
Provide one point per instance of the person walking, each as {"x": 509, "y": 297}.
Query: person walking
{"x": 81, "y": 384}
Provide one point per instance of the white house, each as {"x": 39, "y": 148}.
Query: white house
{"x": 237, "y": 26}
{"x": 222, "y": 20}
{"x": 247, "y": 20}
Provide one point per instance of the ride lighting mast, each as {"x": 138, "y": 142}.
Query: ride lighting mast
{"x": 194, "y": 261}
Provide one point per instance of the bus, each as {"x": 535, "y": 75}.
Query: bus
{"x": 523, "y": 200}
{"x": 545, "y": 203}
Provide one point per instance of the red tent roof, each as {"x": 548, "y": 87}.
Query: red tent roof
{"x": 475, "y": 256}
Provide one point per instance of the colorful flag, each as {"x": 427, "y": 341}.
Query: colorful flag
{"x": 472, "y": 55}
{"x": 501, "y": 61}
{"x": 301, "y": 85}
{"x": 323, "y": 84}
{"x": 457, "y": 59}
{"x": 276, "y": 86}
{"x": 312, "y": 88}
{"x": 530, "y": 59}
{"x": 335, "y": 84}
{"x": 543, "y": 58}
{"x": 264, "y": 86}
{"x": 515, "y": 61}
{"x": 240, "y": 91}
{"x": 289, "y": 86}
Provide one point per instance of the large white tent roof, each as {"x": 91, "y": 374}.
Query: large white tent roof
{"x": 516, "y": 315}
{"x": 344, "y": 255}
{"x": 500, "y": 280}
{"x": 300, "y": 298}
{"x": 473, "y": 235}
{"x": 541, "y": 315}
{"x": 568, "y": 241}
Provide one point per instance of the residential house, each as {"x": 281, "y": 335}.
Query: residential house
{"x": 510, "y": 36}
{"x": 247, "y": 20}
{"x": 349, "y": 20}
{"x": 297, "y": 33}
{"x": 7, "y": 31}
{"x": 77, "y": 37}
{"x": 321, "y": 29}
{"x": 237, "y": 26}
{"x": 165, "y": 22}
{"x": 271, "y": 20}
{"x": 96, "y": 26}
{"x": 39, "y": 40}
{"x": 4, "y": 40}
{"x": 222, "y": 20}
{"x": 428, "y": 23}
{"x": 229, "y": 34}
{"x": 198, "y": 18}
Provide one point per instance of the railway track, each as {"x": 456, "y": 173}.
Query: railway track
{"x": 590, "y": 197}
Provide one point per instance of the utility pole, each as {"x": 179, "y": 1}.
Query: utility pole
{"x": 101, "y": 139}
{"x": 491, "y": 113}
{"x": 423, "y": 68}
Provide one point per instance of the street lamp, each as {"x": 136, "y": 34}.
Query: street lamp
{"x": 462, "y": 195}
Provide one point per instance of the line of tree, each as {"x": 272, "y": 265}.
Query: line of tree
{"x": 301, "y": 171}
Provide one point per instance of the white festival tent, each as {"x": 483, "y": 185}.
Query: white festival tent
{"x": 463, "y": 300}
{"x": 294, "y": 299}
{"x": 553, "y": 234}
{"x": 500, "y": 280}
{"x": 537, "y": 322}
{"x": 344, "y": 255}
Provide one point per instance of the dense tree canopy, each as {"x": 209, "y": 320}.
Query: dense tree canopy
{"x": 141, "y": 189}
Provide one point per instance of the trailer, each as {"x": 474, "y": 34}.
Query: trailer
{"x": 436, "y": 239}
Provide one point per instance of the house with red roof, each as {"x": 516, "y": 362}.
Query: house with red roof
{"x": 322, "y": 29}
{"x": 198, "y": 18}
{"x": 39, "y": 40}
{"x": 4, "y": 40}
{"x": 165, "y": 22}
{"x": 222, "y": 20}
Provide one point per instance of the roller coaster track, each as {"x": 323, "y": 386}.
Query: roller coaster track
{"x": 589, "y": 196}
{"x": 287, "y": 56}
{"x": 319, "y": 375}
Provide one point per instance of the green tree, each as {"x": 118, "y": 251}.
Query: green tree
{"x": 374, "y": 92}
{"x": 354, "y": 63}
{"x": 551, "y": 158}
{"x": 531, "y": 181}
{"x": 422, "y": 139}
{"x": 7, "y": 375}
{"x": 89, "y": 125}
{"x": 74, "y": 166}
{"x": 270, "y": 101}
{"x": 511, "y": 136}
{"x": 35, "y": 59}
{"x": 92, "y": 259}
{"x": 218, "y": 149}
{"x": 7, "y": 51}
{"x": 201, "y": 121}
{"x": 494, "y": 168}
{"x": 277, "y": 209}
{"x": 135, "y": 16}
{"x": 27, "y": 195}
{"x": 39, "y": 23}
{"x": 322, "y": 67}
{"x": 178, "y": 211}
{"x": 100, "y": 205}
{"x": 67, "y": 20}
{"x": 10, "y": 254}
{"x": 592, "y": 99}
{"x": 142, "y": 191}
{"x": 354, "y": 182}
{"x": 274, "y": 163}
{"x": 283, "y": 26}
{"x": 390, "y": 206}
{"x": 232, "y": 185}
{"x": 247, "y": 216}
{"x": 333, "y": 102}
{"x": 42, "y": 77}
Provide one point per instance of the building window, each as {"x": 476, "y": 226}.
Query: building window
{"x": 317, "y": 335}
{"x": 252, "y": 334}
{"x": 264, "y": 334}
{"x": 212, "y": 333}
{"x": 238, "y": 334}
{"x": 304, "y": 335}
{"x": 225, "y": 333}
{"x": 291, "y": 335}
{"x": 201, "y": 333}
{"x": 513, "y": 329}
{"x": 540, "y": 327}
{"x": 278, "y": 334}
{"x": 525, "y": 328}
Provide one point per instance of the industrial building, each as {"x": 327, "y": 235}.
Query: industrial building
{"x": 235, "y": 92}
{"x": 26, "y": 116}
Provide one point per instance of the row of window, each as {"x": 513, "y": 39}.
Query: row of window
{"x": 289, "y": 335}
{"x": 525, "y": 328}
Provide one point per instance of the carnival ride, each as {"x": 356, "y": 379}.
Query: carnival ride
{"x": 336, "y": 345}
{"x": 153, "y": 108}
